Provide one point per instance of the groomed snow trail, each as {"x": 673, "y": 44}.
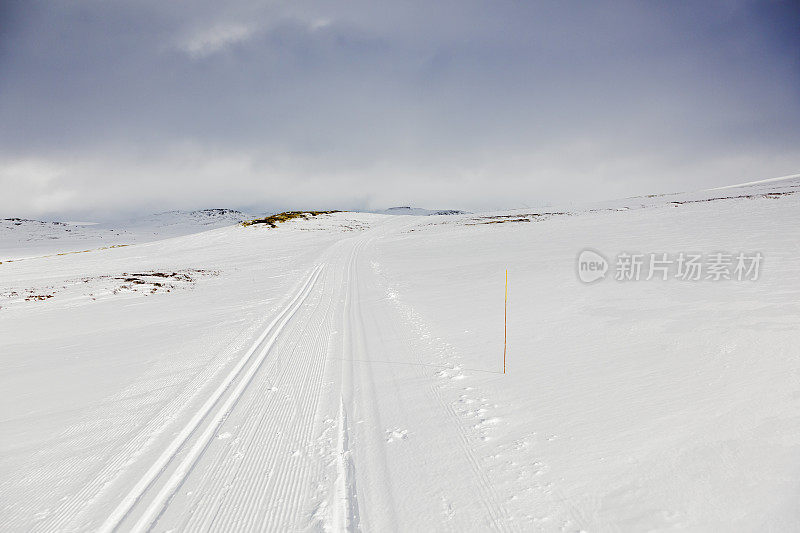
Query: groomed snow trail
{"x": 213, "y": 421}
{"x": 316, "y": 427}
{"x": 413, "y": 460}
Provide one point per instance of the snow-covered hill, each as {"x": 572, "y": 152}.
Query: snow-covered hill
{"x": 176, "y": 223}
{"x": 345, "y": 372}
{"x": 418, "y": 211}
{"x": 30, "y": 238}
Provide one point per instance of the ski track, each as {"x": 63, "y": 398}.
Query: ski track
{"x": 70, "y": 514}
{"x": 496, "y": 515}
{"x": 364, "y": 389}
{"x": 346, "y": 516}
{"x": 344, "y": 512}
{"x": 156, "y": 507}
{"x": 269, "y": 450}
{"x": 271, "y": 426}
{"x": 128, "y": 502}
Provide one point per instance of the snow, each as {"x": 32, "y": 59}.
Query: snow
{"x": 418, "y": 211}
{"x": 345, "y": 372}
{"x": 792, "y": 177}
{"x": 24, "y": 238}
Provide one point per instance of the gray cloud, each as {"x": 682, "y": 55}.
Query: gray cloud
{"x": 136, "y": 106}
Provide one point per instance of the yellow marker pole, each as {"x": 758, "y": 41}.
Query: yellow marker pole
{"x": 505, "y": 326}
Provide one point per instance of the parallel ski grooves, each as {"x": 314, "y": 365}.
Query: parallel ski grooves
{"x": 156, "y": 506}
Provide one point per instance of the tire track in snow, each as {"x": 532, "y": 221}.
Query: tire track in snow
{"x": 156, "y": 506}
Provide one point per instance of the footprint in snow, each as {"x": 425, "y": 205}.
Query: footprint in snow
{"x": 396, "y": 434}
{"x": 451, "y": 373}
{"x": 484, "y": 422}
{"x": 447, "y": 508}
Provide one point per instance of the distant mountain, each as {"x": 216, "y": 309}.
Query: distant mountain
{"x": 23, "y": 237}
{"x": 194, "y": 219}
{"x": 418, "y": 211}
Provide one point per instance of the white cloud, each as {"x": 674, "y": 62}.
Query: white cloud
{"x": 193, "y": 175}
{"x": 207, "y": 41}
{"x": 318, "y": 24}
{"x": 33, "y": 186}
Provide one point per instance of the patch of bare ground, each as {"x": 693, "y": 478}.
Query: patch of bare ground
{"x": 94, "y": 287}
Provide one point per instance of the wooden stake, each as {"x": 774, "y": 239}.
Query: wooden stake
{"x": 505, "y": 326}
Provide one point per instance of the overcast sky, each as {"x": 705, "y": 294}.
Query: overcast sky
{"x": 122, "y": 107}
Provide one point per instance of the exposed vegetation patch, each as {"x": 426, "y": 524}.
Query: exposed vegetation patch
{"x": 27, "y": 295}
{"x": 150, "y": 282}
{"x": 39, "y": 297}
{"x": 98, "y": 287}
{"x": 769, "y": 195}
{"x": 502, "y": 219}
{"x": 273, "y": 220}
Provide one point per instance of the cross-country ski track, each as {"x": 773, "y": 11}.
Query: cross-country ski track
{"x": 293, "y": 437}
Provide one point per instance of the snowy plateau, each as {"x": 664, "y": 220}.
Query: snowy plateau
{"x": 344, "y": 372}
